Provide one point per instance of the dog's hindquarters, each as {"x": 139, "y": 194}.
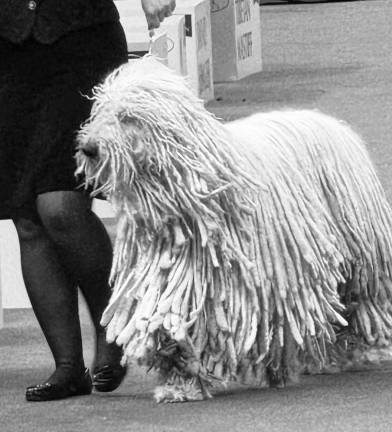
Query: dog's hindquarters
{"x": 326, "y": 155}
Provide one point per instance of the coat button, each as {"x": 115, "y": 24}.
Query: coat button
{"x": 32, "y": 5}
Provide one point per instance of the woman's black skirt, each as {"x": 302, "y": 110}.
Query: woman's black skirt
{"x": 43, "y": 102}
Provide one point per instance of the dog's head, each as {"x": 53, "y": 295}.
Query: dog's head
{"x": 144, "y": 121}
{"x": 151, "y": 142}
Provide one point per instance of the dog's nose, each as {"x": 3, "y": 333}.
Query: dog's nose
{"x": 90, "y": 150}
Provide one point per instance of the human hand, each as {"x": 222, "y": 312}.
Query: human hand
{"x": 156, "y": 11}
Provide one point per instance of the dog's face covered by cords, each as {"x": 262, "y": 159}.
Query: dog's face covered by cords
{"x": 135, "y": 112}
{"x": 111, "y": 137}
{"x": 145, "y": 132}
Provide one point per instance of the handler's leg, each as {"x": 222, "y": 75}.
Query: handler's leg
{"x": 85, "y": 250}
{"x": 54, "y": 300}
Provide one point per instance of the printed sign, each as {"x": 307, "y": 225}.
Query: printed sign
{"x": 236, "y": 39}
{"x": 198, "y": 45}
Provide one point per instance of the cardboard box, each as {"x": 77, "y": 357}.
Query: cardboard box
{"x": 236, "y": 39}
{"x": 174, "y": 26}
{"x": 198, "y": 45}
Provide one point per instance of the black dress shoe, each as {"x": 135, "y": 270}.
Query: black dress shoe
{"x": 48, "y": 391}
{"x": 107, "y": 378}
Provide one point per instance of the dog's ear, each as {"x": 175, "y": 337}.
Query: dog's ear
{"x": 126, "y": 118}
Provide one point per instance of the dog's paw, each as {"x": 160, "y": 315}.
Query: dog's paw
{"x": 186, "y": 392}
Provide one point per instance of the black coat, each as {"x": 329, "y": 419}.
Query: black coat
{"x": 48, "y": 20}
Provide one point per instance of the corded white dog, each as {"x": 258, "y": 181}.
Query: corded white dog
{"x": 242, "y": 248}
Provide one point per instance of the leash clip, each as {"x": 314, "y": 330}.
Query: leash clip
{"x": 151, "y": 35}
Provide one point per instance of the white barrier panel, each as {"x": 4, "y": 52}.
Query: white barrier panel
{"x": 198, "y": 45}
{"x": 12, "y": 288}
{"x": 130, "y": 8}
{"x": 105, "y": 211}
{"x": 13, "y": 291}
{"x": 236, "y": 39}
